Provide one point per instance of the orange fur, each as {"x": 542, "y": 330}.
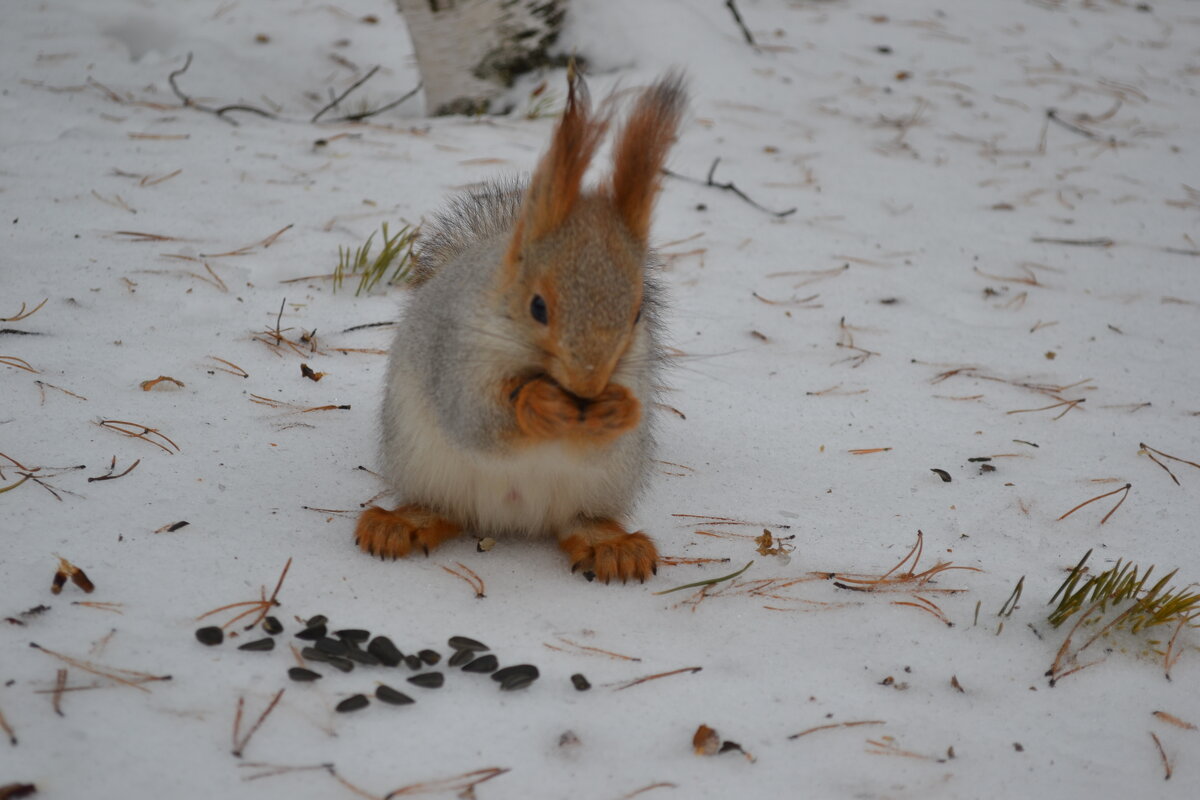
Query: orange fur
{"x": 545, "y": 411}
{"x": 395, "y": 533}
{"x": 604, "y": 548}
{"x": 556, "y": 183}
{"x": 640, "y": 152}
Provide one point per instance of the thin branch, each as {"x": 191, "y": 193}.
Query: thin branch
{"x": 370, "y": 74}
{"x": 240, "y": 745}
{"x": 737, "y": 17}
{"x": 361, "y": 115}
{"x": 728, "y": 186}
{"x": 657, "y": 676}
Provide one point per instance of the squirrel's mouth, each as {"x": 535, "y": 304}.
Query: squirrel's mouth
{"x": 581, "y": 403}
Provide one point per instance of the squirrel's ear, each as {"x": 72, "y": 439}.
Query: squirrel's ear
{"x": 554, "y": 187}
{"x": 641, "y": 150}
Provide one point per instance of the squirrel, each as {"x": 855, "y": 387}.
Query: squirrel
{"x": 521, "y": 380}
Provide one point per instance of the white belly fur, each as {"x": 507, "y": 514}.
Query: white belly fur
{"x": 535, "y": 490}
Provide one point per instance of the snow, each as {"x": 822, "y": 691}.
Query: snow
{"x": 923, "y": 175}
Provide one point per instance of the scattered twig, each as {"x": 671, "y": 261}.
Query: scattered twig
{"x": 4, "y": 726}
{"x": 656, "y": 676}
{"x": 241, "y": 373}
{"x": 19, "y": 363}
{"x": 1171, "y": 719}
{"x": 220, "y": 112}
{"x": 1052, "y": 115}
{"x": 43, "y": 386}
{"x": 60, "y": 683}
{"x": 361, "y": 115}
{"x": 1150, "y": 451}
{"x": 659, "y": 785}
{"x": 1096, "y": 242}
{"x": 470, "y": 576}
{"x": 23, "y": 314}
{"x": 135, "y": 680}
{"x": 737, "y": 17}
{"x": 241, "y": 251}
{"x": 136, "y": 430}
{"x": 370, "y": 74}
{"x": 708, "y": 582}
{"x": 150, "y": 384}
{"x": 1124, "y": 489}
{"x": 1163, "y": 754}
{"x": 728, "y": 186}
{"x": 239, "y": 745}
{"x": 262, "y": 605}
{"x": 109, "y": 476}
{"x": 590, "y": 650}
{"x": 837, "y": 725}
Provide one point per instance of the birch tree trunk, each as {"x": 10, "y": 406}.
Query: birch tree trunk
{"x": 469, "y": 51}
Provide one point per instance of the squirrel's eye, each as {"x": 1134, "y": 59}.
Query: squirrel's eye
{"x": 537, "y": 309}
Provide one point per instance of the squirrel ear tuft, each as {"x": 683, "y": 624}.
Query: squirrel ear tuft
{"x": 641, "y": 150}
{"x": 554, "y": 187}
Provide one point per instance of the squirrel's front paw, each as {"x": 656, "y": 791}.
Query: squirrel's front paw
{"x": 606, "y": 550}
{"x": 395, "y": 533}
{"x": 544, "y": 410}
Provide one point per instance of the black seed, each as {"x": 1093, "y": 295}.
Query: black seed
{"x": 312, "y": 633}
{"x": 941, "y": 473}
{"x": 302, "y": 674}
{"x": 353, "y": 634}
{"x": 581, "y": 683}
{"x": 319, "y": 619}
{"x": 361, "y": 656}
{"x": 272, "y": 625}
{"x": 516, "y": 676}
{"x": 484, "y": 664}
{"x": 259, "y": 645}
{"x": 353, "y": 703}
{"x": 210, "y": 635}
{"x": 460, "y": 657}
{"x": 382, "y": 648}
{"x": 313, "y": 654}
{"x": 428, "y": 680}
{"x": 413, "y": 662}
{"x": 466, "y": 643}
{"x": 430, "y": 657}
{"x": 331, "y": 646}
{"x": 389, "y": 695}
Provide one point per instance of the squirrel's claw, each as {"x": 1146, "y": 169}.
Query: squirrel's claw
{"x": 604, "y": 549}
{"x": 384, "y": 533}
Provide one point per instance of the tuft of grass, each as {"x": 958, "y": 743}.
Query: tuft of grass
{"x": 1124, "y": 582}
{"x": 395, "y": 258}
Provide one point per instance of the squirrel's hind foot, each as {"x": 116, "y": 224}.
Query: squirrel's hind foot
{"x": 605, "y": 549}
{"x": 394, "y": 534}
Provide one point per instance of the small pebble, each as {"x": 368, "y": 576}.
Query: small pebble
{"x": 460, "y": 657}
{"x": 302, "y": 674}
{"x": 430, "y": 657}
{"x": 272, "y": 625}
{"x": 331, "y": 646}
{"x": 483, "y": 664}
{"x": 382, "y": 648}
{"x": 353, "y": 703}
{"x": 428, "y": 680}
{"x": 413, "y": 662}
{"x": 353, "y": 634}
{"x": 210, "y": 635}
{"x": 259, "y": 645}
{"x": 466, "y": 643}
{"x": 312, "y": 633}
{"x": 580, "y": 682}
{"x": 389, "y": 695}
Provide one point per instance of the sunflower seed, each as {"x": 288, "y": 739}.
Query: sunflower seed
{"x": 460, "y": 657}
{"x": 259, "y": 645}
{"x": 361, "y": 656}
{"x": 331, "y": 646}
{"x": 430, "y": 657}
{"x": 312, "y": 633}
{"x": 382, "y": 648}
{"x": 353, "y": 703}
{"x": 302, "y": 674}
{"x": 210, "y": 635}
{"x": 516, "y": 677}
{"x": 313, "y": 654}
{"x": 466, "y": 643}
{"x": 353, "y": 634}
{"x": 389, "y": 695}
{"x": 413, "y": 662}
{"x": 581, "y": 683}
{"x": 428, "y": 680}
{"x": 484, "y": 664}
{"x": 319, "y": 619}
{"x": 272, "y": 625}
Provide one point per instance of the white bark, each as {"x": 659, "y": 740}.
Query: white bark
{"x": 469, "y": 51}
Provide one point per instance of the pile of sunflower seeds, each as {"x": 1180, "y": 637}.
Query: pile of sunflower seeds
{"x": 345, "y": 648}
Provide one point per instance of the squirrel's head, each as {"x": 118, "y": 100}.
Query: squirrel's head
{"x": 573, "y": 271}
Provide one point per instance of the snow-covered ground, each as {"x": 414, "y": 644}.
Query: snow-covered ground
{"x": 943, "y": 221}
